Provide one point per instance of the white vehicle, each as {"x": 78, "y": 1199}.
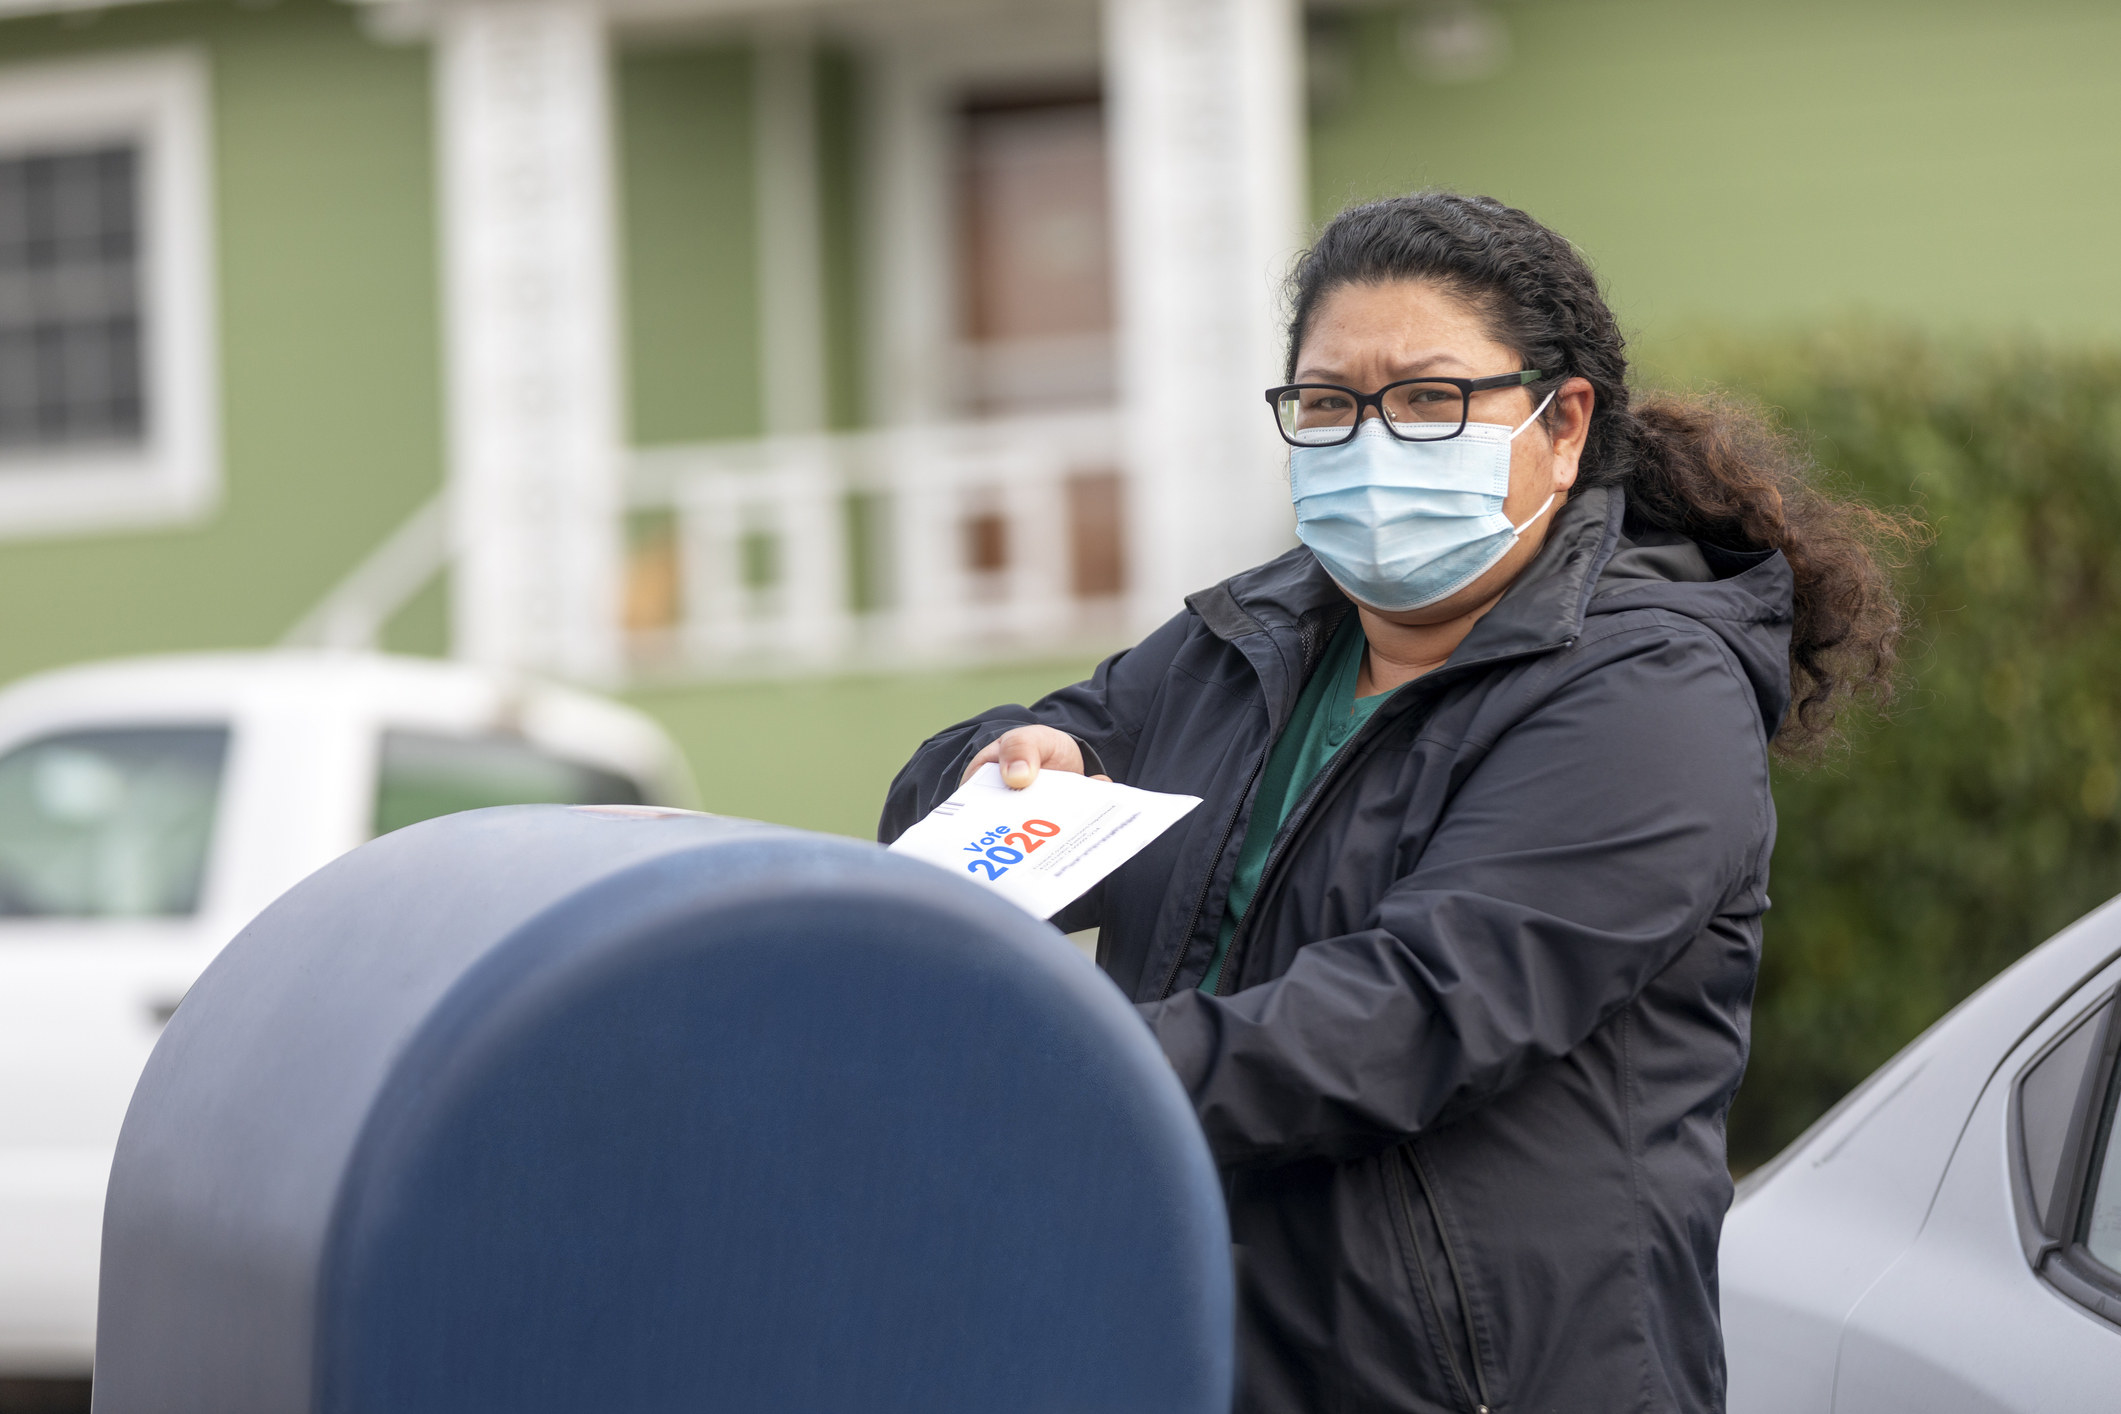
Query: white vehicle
{"x": 1948, "y": 1238}
{"x": 148, "y": 809}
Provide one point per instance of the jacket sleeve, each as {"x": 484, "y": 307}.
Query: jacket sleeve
{"x": 1104, "y": 715}
{"x": 1595, "y": 839}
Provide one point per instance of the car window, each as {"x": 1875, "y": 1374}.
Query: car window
{"x": 109, "y": 824}
{"x": 2102, "y": 1217}
{"x": 2051, "y": 1105}
{"x": 422, "y": 775}
{"x": 2069, "y": 1177}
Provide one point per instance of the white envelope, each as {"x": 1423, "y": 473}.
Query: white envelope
{"x": 1046, "y": 845}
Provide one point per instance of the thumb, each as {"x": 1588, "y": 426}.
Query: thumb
{"x": 1019, "y": 763}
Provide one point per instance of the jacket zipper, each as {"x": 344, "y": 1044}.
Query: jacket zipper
{"x": 1450, "y": 1257}
{"x": 1224, "y": 980}
{"x": 1313, "y": 650}
{"x": 1421, "y": 1267}
{"x": 1185, "y": 939}
{"x": 1283, "y": 842}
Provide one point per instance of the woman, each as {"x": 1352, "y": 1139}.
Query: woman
{"x": 1457, "y": 955}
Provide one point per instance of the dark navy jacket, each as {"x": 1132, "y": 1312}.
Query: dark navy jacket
{"x": 1481, "y": 1026}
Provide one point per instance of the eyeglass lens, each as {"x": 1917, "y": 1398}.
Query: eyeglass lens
{"x": 1418, "y": 410}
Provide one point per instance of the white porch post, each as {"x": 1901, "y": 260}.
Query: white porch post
{"x": 1206, "y": 124}
{"x": 791, "y": 257}
{"x": 810, "y": 527}
{"x": 533, "y": 358}
{"x": 912, "y": 312}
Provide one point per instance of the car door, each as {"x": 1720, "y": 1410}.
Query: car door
{"x": 2010, "y": 1299}
{"x": 106, "y": 836}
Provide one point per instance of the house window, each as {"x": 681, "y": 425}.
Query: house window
{"x": 106, "y": 356}
{"x": 70, "y": 299}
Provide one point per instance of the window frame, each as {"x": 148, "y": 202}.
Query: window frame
{"x": 159, "y": 101}
{"x": 2056, "y": 1250}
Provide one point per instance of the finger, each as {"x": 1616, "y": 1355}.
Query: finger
{"x": 1057, "y": 751}
{"x": 1028, "y": 750}
{"x": 1101, "y": 776}
{"x": 990, "y": 752}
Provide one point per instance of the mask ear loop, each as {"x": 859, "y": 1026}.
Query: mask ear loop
{"x": 1535, "y": 414}
{"x": 1518, "y": 530}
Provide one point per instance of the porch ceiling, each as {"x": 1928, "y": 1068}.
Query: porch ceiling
{"x": 10, "y": 9}
{"x": 412, "y": 18}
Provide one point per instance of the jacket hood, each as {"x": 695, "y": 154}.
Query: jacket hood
{"x": 1744, "y": 597}
{"x": 1594, "y": 561}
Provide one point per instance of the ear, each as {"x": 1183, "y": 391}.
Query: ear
{"x": 1568, "y": 424}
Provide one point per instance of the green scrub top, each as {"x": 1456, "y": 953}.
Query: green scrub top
{"x": 1326, "y": 715}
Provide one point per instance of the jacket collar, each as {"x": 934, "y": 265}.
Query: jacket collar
{"x": 1274, "y": 612}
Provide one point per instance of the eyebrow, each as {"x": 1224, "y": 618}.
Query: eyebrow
{"x": 1412, "y": 368}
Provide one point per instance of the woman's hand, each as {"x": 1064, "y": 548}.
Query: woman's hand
{"x": 1025, "y": 751}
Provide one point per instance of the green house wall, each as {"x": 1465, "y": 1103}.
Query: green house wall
{"x": 323, "y": 194}
{"x": 1949, "y": 163}
{"x": 689, "y": 243}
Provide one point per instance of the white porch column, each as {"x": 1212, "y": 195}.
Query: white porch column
{"x": 810, "y": 527}
{"x": 533, "y": 358}
{"x": 1206, "y": 121}
{"x": 791, "y": 254}
{"x": 912, "y": 302}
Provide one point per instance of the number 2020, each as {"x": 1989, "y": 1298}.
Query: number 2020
{"x": 996, "y": 861}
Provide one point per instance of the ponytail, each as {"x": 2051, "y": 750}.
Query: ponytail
{"x": 1716, "y": 470}
{"x": 1710, "y": 468}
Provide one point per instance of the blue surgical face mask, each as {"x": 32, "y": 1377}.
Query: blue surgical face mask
{"x": 1401, "y": 525}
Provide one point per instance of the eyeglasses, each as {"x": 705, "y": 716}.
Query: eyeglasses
{"x": 1413, "y": 409}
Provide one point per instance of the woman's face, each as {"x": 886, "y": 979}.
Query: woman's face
{"x": 1365, "y": 336}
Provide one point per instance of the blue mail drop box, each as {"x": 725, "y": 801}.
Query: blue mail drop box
{"x": 557, "y": 1109}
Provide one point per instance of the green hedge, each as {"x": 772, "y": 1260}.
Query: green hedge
{"x": 1984, "y": 812}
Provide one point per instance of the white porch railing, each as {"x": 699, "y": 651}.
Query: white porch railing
{"x": 961, "y": 542}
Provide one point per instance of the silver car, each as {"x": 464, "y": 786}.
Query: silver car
{"x": 1948, "y": 1238}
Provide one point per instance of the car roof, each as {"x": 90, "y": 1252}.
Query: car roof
{"x": 394, "y": 690}
{"x": 234, "y": 674}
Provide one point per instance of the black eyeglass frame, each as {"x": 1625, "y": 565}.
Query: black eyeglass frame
{"x": 1466, "y": 387}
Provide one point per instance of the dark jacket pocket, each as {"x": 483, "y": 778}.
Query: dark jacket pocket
{"x": 1437, "y": 1282}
